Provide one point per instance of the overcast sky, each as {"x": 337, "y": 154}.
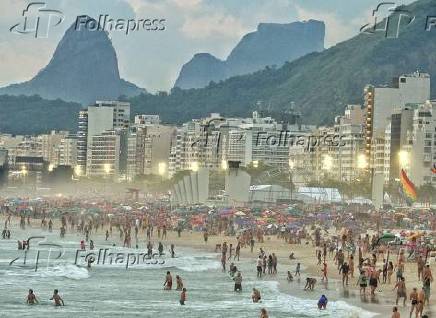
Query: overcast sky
{"x": 153, "y": 59}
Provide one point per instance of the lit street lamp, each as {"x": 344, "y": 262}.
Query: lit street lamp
{"x": 24, "y": 173}
{"x": 162, "y": 169}
{"x": 78, "y": 170}
{"x": 224, "y": 164}
{"x": 362, "y": 162}
{"x": 107, "y": 168}
{"x": 327, "y": 163}
{"x": 194, "y": 166}
{"x": 404, "y": 159}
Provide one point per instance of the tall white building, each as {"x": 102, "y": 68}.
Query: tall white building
{"x": 149, "y": 145}
{"x": 68, "y": 151}
{"x": 421, "y": 145}
{"x": 50, "y": 146}
{"x": 104, "y": 155}
{"x": 381, "y": 101}
{"x": 102, "y": 120}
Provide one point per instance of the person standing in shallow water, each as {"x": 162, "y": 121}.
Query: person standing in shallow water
{"x": 183, "y": 297}
{"x": 179, "y": 283}
{"x": 238, "y": 282}
{"x": 223, "y": 261}
{"x": 58, "y": 301}
{"x": 259, "y": 266}
{"x": 168, "y": 285}
{"x": 31, "y": 298}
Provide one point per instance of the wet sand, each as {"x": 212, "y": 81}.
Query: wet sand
{"x": 381, "y": 304}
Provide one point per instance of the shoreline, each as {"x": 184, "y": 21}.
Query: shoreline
{"x": 283, "y": 285}
{"x": 381, "y": 306}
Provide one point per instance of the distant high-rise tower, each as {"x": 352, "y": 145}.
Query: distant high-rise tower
{"x": 82, "y": 137}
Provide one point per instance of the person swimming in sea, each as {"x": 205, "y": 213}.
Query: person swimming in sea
{"x": 31, "y": 298}
{"x": 263, "y": 313}
{"x": 256, "y": 295}
{"x": 58, "y": 301}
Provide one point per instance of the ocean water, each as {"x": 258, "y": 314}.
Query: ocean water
{"x": 114, "y": 291}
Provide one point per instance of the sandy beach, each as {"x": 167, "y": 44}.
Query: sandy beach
{"x": 381, "y": 305}
{"x": 305, "y": 254}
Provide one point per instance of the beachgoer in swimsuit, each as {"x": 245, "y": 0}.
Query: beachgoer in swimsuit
{"x": 57, "y": 299}
{"x": 31, "y": 298}
{"x": 168, "y": 285}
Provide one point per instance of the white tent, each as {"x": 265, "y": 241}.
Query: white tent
{"x": 321, "y": 194}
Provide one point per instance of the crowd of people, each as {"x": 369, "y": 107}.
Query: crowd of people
{"x": 360, "y": 256}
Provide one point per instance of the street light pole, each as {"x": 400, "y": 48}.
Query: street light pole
{"x": 291, "y": 168}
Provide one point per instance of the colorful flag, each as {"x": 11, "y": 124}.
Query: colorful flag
{"x": 409, "y": 189}
{"x": 434, "y": 168}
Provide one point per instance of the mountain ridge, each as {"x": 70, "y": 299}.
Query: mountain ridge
{"x": 83, "y": 68}
{"x": 270, "y": 44}
{"x": 320, "y": 84}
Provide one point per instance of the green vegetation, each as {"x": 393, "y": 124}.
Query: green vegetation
{"x": 33, "y": 115}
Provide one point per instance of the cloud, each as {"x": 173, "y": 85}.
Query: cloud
{"x": 189, "y": 4}
{"x": 220, "y": 25}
